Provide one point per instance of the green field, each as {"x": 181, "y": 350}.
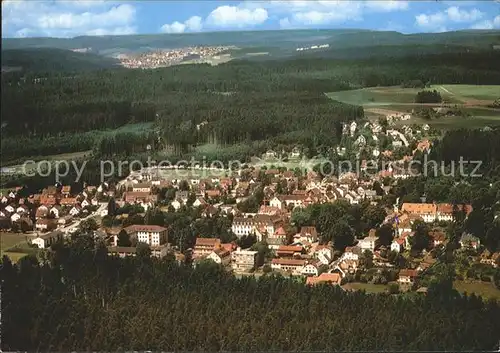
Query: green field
{"x": 367, "y": 287}
{"x": 455, "y": 122}
{"x": 384, "y": 96}
{"x": 464, "y": 92}
{"x": 9, "y": 240}
{"x": 484, "y": 289}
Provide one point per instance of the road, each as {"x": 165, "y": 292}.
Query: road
{"x": 72, "y": 227}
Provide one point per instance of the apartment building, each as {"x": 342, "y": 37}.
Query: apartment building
{"x": 149, "y": 234}
{"x": 243, "y": 260}
{"x": 205, "y": 246}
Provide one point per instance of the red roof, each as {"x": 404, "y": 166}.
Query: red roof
{"x": 333, "y": 278}
{"x": 289, "y": 262}
{"x": 144, "y": 228}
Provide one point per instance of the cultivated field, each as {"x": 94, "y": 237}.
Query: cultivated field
{"x": 486, "y": 290}
{"x": 10, "y": 240}
{"x": 469, "y": 95}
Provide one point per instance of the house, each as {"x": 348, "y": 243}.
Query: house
{"x": 398, "y": 245}
{"x": 66, "y": 190}
{"x": 469, "y": 241}
{"x": 10, "y": 209}
{"x": 149, "y": 234}
{"x": 182, "y": 196}
{"x": 445, "y": 211}
{"x": 324, "y": 253}
{"x": 122, "y": 251}
{"x": 437, "y": 237}
{"x": 22, "y": 209}
{"x": 328, "y": 278}
{"x": 220, "y": 256}
{"x": 309, "y": 234}
{"x": 427, "y": 211}
{"x": 490, "y": 259}
{"x": 142, "y": 187}
{"x": 204, "y": 246}
{"x": 289, "y": 251}
{"x": 15, "y": 217}
{"x": 243, "y": 260}
{"x": 367, "y": 243}
{"x": 263, "y": 223}
{"x": 407, "y": 278}
{"x": 352, "y": 253}
{"x": 200, "y": 201}
{"x": 68, "y": 201}
{"x": 294, "y": 266}
{"x": 56, "y": 211}
{"x": 65, "y": 220}
{"x": 295, "y": 153}
{"x": 176, "y": 204}
{"x": 75, "y": 210}
{"x": 311, "y": 268}
{"x": 136, "y": 197}
{"x": 46, "y": 240}
{"x": 211, "y": 194}
{"x": 41, "y": 212}
{"x": 209, "y": 211}
{"x": 45, "y": 224}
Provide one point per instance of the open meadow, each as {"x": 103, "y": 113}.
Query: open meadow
{"x": 8, "y": 241}
{"x": 469, "y": 95}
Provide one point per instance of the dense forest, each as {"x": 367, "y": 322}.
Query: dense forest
{"x": 237, "y": 102}
{"x": 79, "y": 298}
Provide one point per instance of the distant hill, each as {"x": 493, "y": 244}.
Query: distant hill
{"x": 286, "y": 41}
{"x": 52, "y": 59}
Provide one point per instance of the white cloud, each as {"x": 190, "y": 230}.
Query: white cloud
{"x": 193, "y": 24}
{"x": 297, "y": 13}
{"x": 487, "y": 24}
{"x": 233, "y": 16}
{"x": 439, "y": 21}
{"x": 62, "y": 18}
{"x": 457, "y": 15}
{"x": 175, "y": 27}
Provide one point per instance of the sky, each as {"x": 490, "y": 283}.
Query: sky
{"x": 70, "y": 18}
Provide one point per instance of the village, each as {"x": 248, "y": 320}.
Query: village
{"x": 58, "y": 211}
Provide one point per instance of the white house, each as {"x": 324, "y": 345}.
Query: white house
{"x": 15, "y": 217}
{"x": 149, "y": 234}
{"x": 324, "y": 254}
{"x": 9, "y": 209}
{"x": 176, "y": 204}
{"x": 275, "y": 202}
{"x": 220, "y": 256}
{"x": 46, "y": 240}
{"x": 75, "y": 211}
{"x": 55, "y": 211}
{"x": 367, "y": 243}
{"x": 352, "y": 253}
{"x": 85, "y": 203}
{"x": 311, "y": 269}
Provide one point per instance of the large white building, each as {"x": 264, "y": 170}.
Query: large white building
{"x": 149, "y": 234}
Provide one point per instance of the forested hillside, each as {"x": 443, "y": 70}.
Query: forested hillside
{"x": 239, "y": 101}
{"x": 80, "y": 299}
{"x": 50, "y": 59}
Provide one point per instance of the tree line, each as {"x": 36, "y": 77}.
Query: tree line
{"x": 80, "y": 298}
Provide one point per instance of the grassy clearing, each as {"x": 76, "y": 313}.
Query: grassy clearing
{"x": 14, "y": 256}
{"x": 384, "y": 96}
{"x": 464, "y": 92}
{"x": 455, "y": 122}
{"x": 486, "y": 290}
{"x": 367, "y": 287}
{"x": 133, "y": 128}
